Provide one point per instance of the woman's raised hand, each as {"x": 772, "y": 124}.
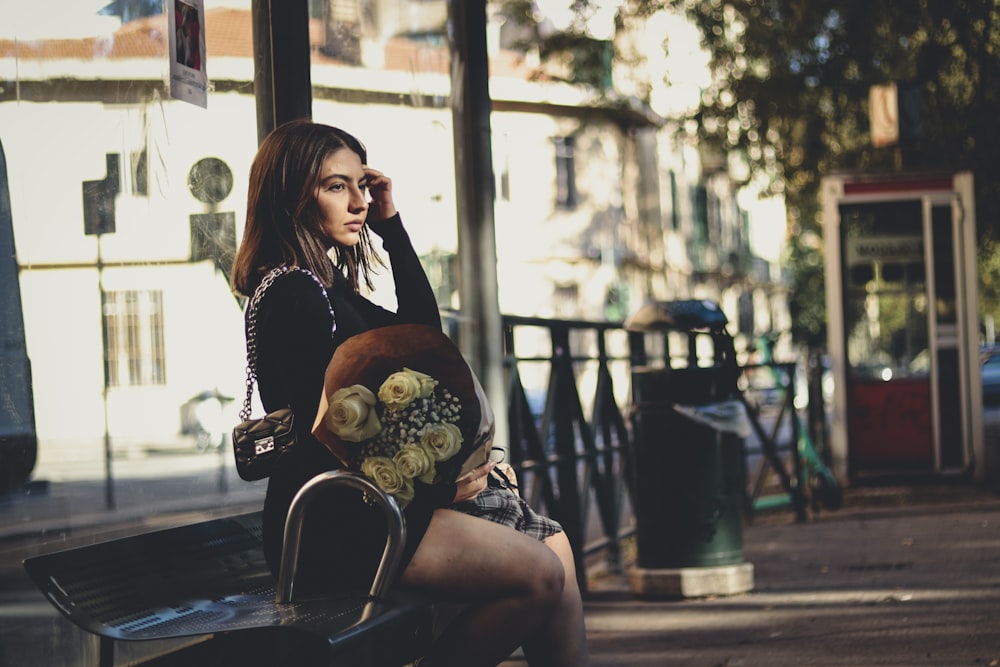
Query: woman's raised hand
{"x": 382, "y": 206}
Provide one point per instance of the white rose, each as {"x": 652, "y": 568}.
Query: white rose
{"x": 442, "y": 440}
{"x": 351, "y": 414}
{"x": 405, "y": 494}
{"x": 384, "y": 473}
{"x": 415, "y": 462}
{"x": 399, "y": 390}
{"x": 427, "y": 383}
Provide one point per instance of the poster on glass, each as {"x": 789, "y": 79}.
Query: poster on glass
{"x": 188, "y": 78}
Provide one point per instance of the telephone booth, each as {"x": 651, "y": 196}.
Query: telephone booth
{"x": 902, "y": 304}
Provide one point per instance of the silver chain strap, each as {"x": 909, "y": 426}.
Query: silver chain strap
{"x": 258, "y": 294}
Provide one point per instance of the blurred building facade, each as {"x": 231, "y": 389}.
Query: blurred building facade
{"x": 602, "y": 201}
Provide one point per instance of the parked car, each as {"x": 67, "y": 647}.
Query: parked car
{"x": 990, "y": 359}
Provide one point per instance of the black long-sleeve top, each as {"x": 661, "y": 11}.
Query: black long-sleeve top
{"x": 342, "y": 537}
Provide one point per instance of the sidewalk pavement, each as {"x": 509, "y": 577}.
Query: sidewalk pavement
{"x": 899, "y": 577}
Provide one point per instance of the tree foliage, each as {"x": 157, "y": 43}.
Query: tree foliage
{"x": 791, "y": 81}
{"x": 790, "y": 89}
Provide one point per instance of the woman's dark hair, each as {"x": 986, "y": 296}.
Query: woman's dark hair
{"x": 283, "y": 220}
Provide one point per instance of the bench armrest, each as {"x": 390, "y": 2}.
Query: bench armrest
{"x": 388, "y": 567}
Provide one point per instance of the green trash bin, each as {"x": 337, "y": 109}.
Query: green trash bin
{"x": 689, "y": 461}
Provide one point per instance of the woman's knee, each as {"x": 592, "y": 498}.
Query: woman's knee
{"x": 547, "y": 576}
{"x": 537, "y": 570}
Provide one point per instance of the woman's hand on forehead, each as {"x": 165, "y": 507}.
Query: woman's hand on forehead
{"x": 380, "y": 188}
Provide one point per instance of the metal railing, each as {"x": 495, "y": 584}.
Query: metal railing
{"x": 568, "y": 438}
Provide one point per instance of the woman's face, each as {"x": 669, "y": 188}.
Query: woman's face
{"x": 342, "y": 198}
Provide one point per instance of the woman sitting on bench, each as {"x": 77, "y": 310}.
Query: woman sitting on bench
{"x": 312, "y": 203}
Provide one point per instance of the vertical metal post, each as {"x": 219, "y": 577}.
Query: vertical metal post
{"x": 109, "y": 483}
{"x": 282, "y": 81}
{"x": 98, "y": 220}
{"x": 482, "y": 326}
{"x": 565, "y": 398}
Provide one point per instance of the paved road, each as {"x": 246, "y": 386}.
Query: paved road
{"x": 906, "y": 579}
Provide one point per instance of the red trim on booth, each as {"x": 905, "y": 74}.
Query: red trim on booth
{"x": 934, "y": 183}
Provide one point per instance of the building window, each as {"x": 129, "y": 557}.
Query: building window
{"x": 566, "y": 196}
{"x": 133, "y": 325}
{"x": 139, "y": 172}
{"x": 699, "y": 200}
{"x": 442, "y": 272}
{"x": 566, "y": 300}
{"x": 503, "y": 189}
{"x": 675, "y": 204}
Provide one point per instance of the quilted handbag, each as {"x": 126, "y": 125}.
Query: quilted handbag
{"x": 259, "y": 444}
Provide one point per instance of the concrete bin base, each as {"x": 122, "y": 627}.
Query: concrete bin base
{"x": 691, "y": 582}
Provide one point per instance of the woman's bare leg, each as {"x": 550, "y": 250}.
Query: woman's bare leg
{"x": 513, "y": 582}
{"x": 562, "y": 640}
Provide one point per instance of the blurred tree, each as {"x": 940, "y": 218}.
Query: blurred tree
{"x": 790, "y": 89}
{"x": 585, "y": 58}
{"x": 791, "y": 83}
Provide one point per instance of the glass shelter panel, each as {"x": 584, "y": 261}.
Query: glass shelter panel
{"x": 886, "y": 333}
{"x": 125, "y": 207}
{"x": 128, "y": 244}
{"x": 127, "y": 201}
{"x": 373, "y": 64}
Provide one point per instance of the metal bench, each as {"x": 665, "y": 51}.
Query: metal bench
{"x": 209, "y": 581}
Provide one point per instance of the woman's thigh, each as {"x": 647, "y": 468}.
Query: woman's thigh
{"x": 468, "y": 559}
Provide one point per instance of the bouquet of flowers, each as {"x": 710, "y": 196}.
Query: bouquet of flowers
{"x": 402, "y": 406}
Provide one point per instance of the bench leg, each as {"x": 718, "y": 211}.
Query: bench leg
{"x": 107, "y": 652}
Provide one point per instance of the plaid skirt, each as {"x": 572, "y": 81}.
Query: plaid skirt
{"x": 505, "y": 506}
